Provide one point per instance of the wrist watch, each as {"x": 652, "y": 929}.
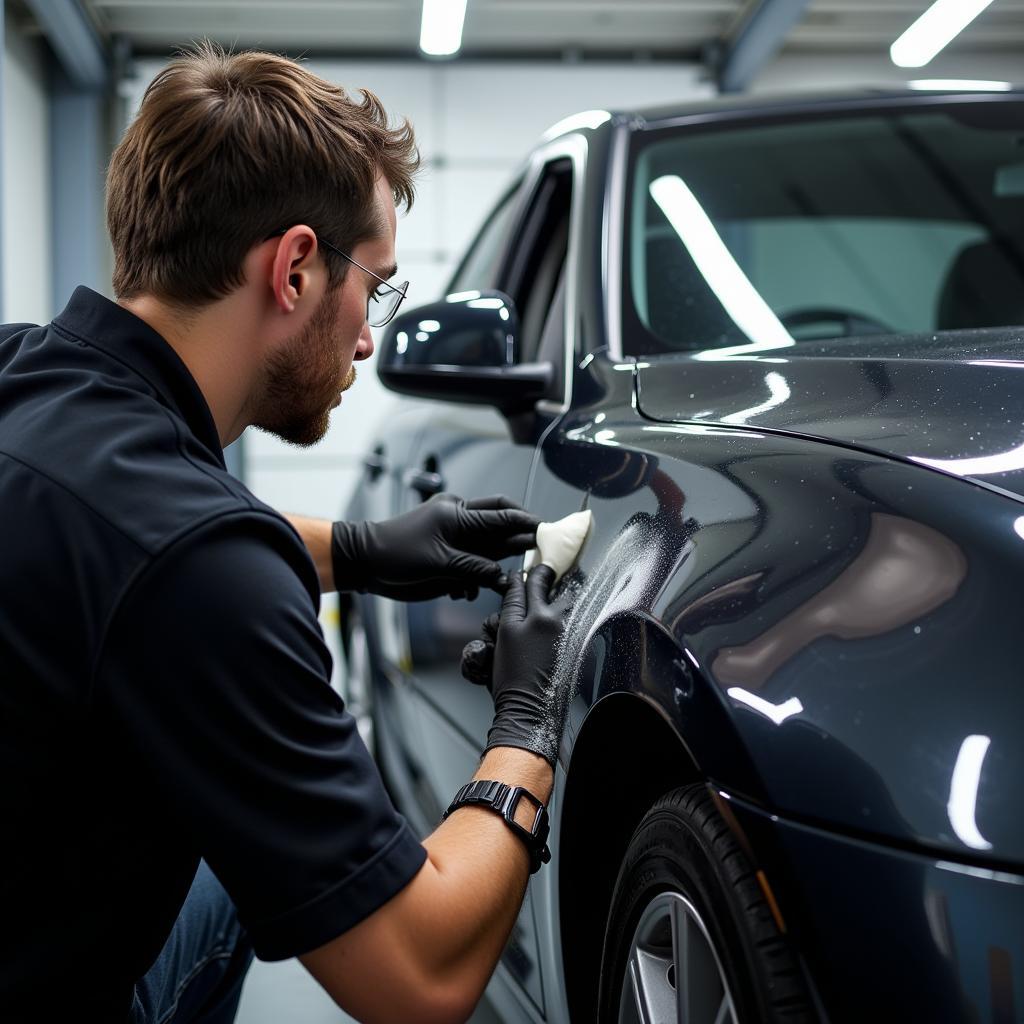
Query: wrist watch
{"x": 504, "y": 799}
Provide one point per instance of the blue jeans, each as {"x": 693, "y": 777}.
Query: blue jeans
{"x": 197, "y": 978}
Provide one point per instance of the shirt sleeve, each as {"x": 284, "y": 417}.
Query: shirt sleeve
{"x": 215, "y": 675}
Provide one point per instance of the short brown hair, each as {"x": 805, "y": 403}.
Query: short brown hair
{"x": 228, "y": 149}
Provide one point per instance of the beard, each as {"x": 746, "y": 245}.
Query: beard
{"x": 300, "y": 384}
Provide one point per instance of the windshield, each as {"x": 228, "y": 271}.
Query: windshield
{"x": 758, "y": 238}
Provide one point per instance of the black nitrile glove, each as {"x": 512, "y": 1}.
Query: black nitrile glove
{"x": 530, "y": 694}
{"x": 478, "y": 655}
{"x": 444, "y": 546}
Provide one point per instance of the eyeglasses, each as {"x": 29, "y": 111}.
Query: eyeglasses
{"x": 384, "y": 300}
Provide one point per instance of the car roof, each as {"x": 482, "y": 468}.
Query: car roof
{"x": 766, "y": 103}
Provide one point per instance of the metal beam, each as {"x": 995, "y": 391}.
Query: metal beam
{"x": 78, "y": 158}
{"x": 73, "y": 39}
{"x": 759, "y": 37}
{"x": 3, "y": 150}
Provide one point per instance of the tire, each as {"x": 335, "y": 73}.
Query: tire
{"x": 690, "y": 935}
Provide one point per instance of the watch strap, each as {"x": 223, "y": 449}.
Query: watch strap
{"x": 504, "y": 800}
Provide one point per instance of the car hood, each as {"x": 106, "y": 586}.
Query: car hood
{"x": 954, "y": 403}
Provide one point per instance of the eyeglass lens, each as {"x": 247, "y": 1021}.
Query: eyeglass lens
{"x": 383, "y": 304}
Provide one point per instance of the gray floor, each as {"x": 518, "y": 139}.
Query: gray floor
{"x": 284, "y": 991}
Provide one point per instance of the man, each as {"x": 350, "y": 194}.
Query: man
{"x": 167, "y": 731}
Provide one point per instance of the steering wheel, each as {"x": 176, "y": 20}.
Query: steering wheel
{"x": 852, "y": 323}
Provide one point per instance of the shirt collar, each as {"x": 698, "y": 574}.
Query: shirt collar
{"x": 123, "y": 336}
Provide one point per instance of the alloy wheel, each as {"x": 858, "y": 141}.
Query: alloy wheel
{"x": 673, "y": 973}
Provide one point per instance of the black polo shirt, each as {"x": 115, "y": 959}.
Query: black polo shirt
{"x": 164, "y": 686}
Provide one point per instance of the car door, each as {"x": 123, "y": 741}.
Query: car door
{"x": 476, "y": 451}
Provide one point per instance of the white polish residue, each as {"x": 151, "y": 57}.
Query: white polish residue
{"x": 626, "y": 578}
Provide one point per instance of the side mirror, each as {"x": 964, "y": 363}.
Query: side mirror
{"x": 462, "y": 349}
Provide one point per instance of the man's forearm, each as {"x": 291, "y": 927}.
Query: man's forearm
{"x": 316, "y": 535}
{"x": 484, "y": 868}
{"x": 428, "y": 954}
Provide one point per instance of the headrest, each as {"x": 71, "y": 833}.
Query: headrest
{"x": 984, "y": 287}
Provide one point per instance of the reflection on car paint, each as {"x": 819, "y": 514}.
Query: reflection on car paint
{"x": 776, "y": 713}
{"x": 904, "y": 571}
{"x": 963, "y": 791}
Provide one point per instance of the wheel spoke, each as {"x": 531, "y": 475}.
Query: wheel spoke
{"x": 654, "y": 993}
{"x": 681, "y": 956}
{"x": 673, "y": 975}
{"x": 628, "y": 1010}
{"x": 704, "y": 989}
{"x": 640, "y": 1002}
{"x": 724, "y": 1011}
{"x": 699, "y": 989}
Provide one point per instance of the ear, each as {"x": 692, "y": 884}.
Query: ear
{"x": 295, "y": 269}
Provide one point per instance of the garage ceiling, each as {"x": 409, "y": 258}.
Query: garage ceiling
{"x": 518, "y": 28}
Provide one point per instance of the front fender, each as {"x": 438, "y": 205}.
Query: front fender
{"x": 848, "y": 624}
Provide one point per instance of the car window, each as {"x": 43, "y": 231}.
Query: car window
{"x": 538, "y": 259}
{"x": 479, "y": 269}
{"x": 892, "y": 223}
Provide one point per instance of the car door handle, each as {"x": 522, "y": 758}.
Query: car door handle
{"x": 423, "y": 482}
{"x": 375, "y": 464}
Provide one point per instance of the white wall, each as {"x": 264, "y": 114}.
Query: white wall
{"x": 25, "y": 214}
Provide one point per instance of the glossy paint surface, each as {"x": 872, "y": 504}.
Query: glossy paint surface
{"x": 892, "y": 934}
{"x": 957, "y": 407}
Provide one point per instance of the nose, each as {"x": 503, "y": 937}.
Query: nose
{"x": 364, "y": 347}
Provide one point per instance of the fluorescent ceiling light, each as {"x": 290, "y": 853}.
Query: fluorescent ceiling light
{"x": 441, "y": 28}
{"x": 936, "y": 28}
{"x": 739, "y": 298}
{"x": 959, "y": 84}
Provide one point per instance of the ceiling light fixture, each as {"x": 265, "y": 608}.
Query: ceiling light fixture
{"x": 441, "y": 27}
{"x": 934, "y": 30}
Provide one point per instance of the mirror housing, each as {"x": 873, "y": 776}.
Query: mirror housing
{"x": 462, "y": 349}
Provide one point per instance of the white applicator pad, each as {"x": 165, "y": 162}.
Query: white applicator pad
{"x": 559, "y": 544}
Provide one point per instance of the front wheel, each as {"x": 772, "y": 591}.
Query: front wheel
{"x": 691, "y": 938}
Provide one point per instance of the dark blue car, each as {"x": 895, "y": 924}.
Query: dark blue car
{"x": 777, "y": 348}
